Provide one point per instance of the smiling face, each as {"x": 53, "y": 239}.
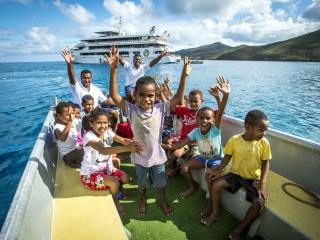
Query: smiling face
{"x": 86, "y": 79}
{"x": 64, "y": 115}
{"x": 145, "y": 96}
{"x": 76, "y": 112}
{"x": 258, "y": 131}
{"x": 100, "y": 125}
{"x": 88, "y": 106}
{"x": 205, "y": 120}
{"x": 195, "y": 102}
{"x": 137, "y": 61}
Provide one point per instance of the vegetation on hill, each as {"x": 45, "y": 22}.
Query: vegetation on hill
{"x": 302, "y": 48}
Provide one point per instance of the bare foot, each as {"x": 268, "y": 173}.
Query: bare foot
{"x": 166, "y": 208}
{"x": 235, "y": 234}
{"x": 120, "y": 208}
{"x": 142, "y": 208}
{"x": 188, "y": 192}
{"x": 206, "y": 211}
{"x": 212, "y": 218}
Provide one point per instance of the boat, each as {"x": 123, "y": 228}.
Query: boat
{"x": 50, "y": 202}
{"x": 148, "y": 45}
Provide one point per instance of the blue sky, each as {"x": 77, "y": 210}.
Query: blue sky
{"x": 36, "y": 30}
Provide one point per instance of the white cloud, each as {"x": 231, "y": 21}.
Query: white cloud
{"x": 313, "y": 11}
{"x": 223, "y": 10}
{"x": 39, "y": 39}
{"x": 75, "y": 11}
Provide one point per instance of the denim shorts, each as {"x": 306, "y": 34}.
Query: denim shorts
{"x": 154, "y": 174}
{"x": 208, "y": 162}
{"x": 129, "y": 89}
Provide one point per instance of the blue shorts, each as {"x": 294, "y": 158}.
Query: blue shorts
{"x": 208, "y": 162}
{"x": 155, "y": 173}
{"x": 128, "y": 89}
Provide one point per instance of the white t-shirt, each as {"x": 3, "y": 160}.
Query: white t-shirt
{"x": 71, "y": 142}
{"x": 78, "y": 91}
{"x": 133, "y": 74}
{"x": 93, "y": 161}
{"x": 78, "y": 124}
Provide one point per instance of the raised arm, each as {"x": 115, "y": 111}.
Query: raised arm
{"x": 121, "y": 60}
{"x": 214, "y": 91}
{"x": 63, "y": 135}
{"x": 157, "y": 59}
{"x": 113, "y": 60}
{"x": 182, "y": 85}
{"x": 224, "y": 87}
{"x": 66, "y": 54}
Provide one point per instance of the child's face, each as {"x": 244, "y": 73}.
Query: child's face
{"x": 76, "y": 112}
{"x": 205, "y": 120}
{"x": 64, "y": 116}
{"x": 88, "y": 106}
{"x": 100, "y": 125}
{"x": 195, "y": 102}
{"x": 257, "y": 132}
{"x": 145, "y": 96}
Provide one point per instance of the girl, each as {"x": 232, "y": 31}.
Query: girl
{"x": 97, "y": 171}
{"x": 147, "y": 124}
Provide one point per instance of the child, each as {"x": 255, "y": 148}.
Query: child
{"x": 97, "y": 171}
{"x": 207, "y": 136}
{"x": 250, "y": 154}
{"x": 77, "y": 116}
{"x": 65, "y": 135}
{"x": 147, "y": 123}
{"x": 87, "y": 103}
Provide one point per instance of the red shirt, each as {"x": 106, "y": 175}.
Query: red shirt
{"x": 188, "y": 119}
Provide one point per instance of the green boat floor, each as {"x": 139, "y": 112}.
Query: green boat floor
{"x": 184, "y": 223}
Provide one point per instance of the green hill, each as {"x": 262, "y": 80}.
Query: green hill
{"x": 302, "y": 48}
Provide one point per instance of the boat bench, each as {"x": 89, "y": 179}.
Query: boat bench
{"x": 283, "y": 217}
{"x": 80, "y": 213}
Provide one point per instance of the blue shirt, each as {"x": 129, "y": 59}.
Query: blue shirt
{"x": 209, "y": 144}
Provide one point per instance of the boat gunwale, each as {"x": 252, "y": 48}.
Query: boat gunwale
{"x": 13, "y": 221}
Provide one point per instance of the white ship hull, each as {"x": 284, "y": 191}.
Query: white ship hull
{"x": 149, "y": 46}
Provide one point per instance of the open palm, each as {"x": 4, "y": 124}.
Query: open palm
{"x": 223, "y": 85}
{"x": 68, "y": 57}
{"x": 113, "y": 57}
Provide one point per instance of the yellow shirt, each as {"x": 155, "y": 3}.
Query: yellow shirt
{"x": 247, "y": 156}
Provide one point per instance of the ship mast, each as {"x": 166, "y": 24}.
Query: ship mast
{"x": 119, "y": 25}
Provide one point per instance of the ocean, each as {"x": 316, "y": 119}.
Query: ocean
{"x": 288, "y": 92}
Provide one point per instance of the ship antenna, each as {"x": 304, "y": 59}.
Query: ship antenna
{"x": 119, "y": 27}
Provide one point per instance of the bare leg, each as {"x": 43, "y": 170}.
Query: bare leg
{"x": 116, "y": 161}
{"x": 208, "y": 209}
{"x": 166, "y": 208}
{"x": 253, "y": 212}
{"x": 173, "y": 157}
{"x": 185, "y": 169}
{"x": 113, "y": 185}
{"x": 142, "y": 208}
{"x": 216, "y": 188}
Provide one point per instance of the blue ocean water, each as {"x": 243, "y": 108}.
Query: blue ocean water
{"x": 288, "y": 92}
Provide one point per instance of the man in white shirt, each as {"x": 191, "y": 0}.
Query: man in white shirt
{"x": 85, "y": 87}
{"x": 137, "y": 70}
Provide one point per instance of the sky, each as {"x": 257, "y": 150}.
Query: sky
{"x": 37, "y": 30}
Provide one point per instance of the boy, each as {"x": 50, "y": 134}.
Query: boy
{"x": 250, "y": 153}
{"x": 87, "y": 103}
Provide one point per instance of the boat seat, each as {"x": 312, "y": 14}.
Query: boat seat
{"x": 284, "y": 216}
{"x": 80, "y": 213}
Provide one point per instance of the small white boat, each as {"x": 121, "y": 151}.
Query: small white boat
{"x": 49, "y": 197}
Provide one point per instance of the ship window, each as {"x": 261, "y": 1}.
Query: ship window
{"x": 136, "y": 52}
{"x": 124, "y": 54}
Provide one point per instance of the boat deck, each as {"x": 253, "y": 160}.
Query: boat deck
{"x": 79, "y": 213}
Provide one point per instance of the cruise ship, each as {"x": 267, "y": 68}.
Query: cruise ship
{"x": 148, "y": 45}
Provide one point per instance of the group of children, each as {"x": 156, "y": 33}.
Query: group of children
{"x": 198, "y": 143}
